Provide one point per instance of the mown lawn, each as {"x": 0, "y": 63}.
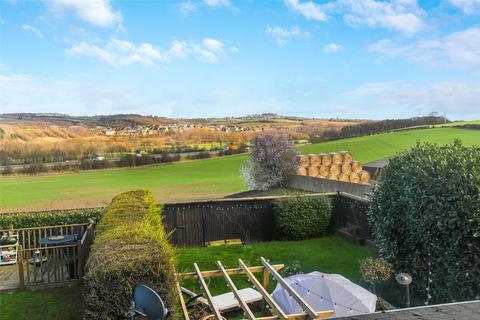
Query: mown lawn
{"x": 194, "y": 180}
{"x": 328, "y": 254}
{"x": 55, "y": 303}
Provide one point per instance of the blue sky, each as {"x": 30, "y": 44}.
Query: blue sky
{"x": 199, "y": 58}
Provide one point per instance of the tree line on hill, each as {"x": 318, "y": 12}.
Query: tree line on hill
{"x": 376, "y": 127}
{"x": 128, "y": 160}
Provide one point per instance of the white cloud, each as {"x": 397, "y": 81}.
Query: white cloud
{"x": 96, "y": 12}
{"x": 404, "y": 16}
{"x": 120, "y": 52}
{"x": 332, "y": 48}
{"x": 309, "y": 9}
{"x": 123, "y": 53}
{"x": 282, "y": 35}
{"x": 458, "y": 49}
{"x": 214, "y": 45}
{"x": 217, "y": 3}
{"x": 187, "y": 7}
{"x": 27, "y": 27}
{"x": 469, "y": 7}
{"x": 456, "y": 99}
{"x": 205, "y": 55}
{"x": 180, "y": 49}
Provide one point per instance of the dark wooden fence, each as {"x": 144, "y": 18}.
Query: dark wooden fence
{"x": 252, "y": 220}
{"x": 194, "y": 224}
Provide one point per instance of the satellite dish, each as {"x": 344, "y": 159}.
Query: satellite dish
{"x": 146, "y": 304}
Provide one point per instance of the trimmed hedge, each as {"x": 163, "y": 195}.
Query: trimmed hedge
{"x": 53, "y": 218}
{"x": 301, "y": 217}
{"x": 422, "y": 218}
{"x": 130, "y": 247}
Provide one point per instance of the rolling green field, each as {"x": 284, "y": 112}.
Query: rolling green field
{"x": 369, "y": 148}
{"x": 193, "y": 180}
{"x": 461, "y": 123}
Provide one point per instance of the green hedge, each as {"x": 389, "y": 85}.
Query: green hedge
{"x": 54, "y": 218}
{"x": 130, "y": 247}
{"x": 301, "y": 217}
{"x": 422, "y": 217}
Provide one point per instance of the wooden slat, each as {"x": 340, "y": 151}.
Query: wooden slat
{"x": 232, "y": 286}
{"x": 306, "y": 307}
{"x": 207, "y": 293}
{"x": 182, "y": 303}
{"x": 217, "y": 273}
{"x": 268, "y": 298}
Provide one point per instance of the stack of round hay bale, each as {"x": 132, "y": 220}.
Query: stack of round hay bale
{"x": 338, "y": 166}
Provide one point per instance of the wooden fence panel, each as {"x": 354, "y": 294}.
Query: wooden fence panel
{"x": 252, "y": 220}
{"x": 194, "y": 224}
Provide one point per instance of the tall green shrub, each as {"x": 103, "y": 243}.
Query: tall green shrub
{"x": 130, "y": 247}
{"x": 301, "y": 218}
{"x": 422, "y": 215}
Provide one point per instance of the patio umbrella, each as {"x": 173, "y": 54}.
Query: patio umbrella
{"x": 323, "y": 291}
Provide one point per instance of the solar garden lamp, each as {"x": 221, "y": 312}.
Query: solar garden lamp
{"x": 405, "y": 279}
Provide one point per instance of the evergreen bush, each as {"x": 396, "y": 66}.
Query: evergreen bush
{"x": 422, "y": 216}
{"x": 301, "y": 217}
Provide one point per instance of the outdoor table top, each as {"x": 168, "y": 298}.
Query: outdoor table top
{"x": 66, "y": 239}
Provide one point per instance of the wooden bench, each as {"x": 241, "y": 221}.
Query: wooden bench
{"x": 227, "y": 242}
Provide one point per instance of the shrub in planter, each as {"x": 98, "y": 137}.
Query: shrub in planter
{"x": 375, "y": 271}
{"x": 422, "y": 218}
{"x": 300, "y": 218}
{"x": 45, "y": 218}
{"x": 130, "y": 247}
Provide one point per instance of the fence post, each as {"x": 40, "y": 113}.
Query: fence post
{"x": 21, "y": 274}
{"x": 80, "y": 258}
{"x": 203, "y": 226}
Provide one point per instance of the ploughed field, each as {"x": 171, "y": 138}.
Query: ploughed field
{"x": 203, "y": 179}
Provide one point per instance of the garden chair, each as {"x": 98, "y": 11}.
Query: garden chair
{"x": 226, "y": 302}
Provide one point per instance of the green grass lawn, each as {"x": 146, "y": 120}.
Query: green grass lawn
{"x": 328, "y": 254}
{"x": 193, "y": 180}
{"x": 56, "y": 303}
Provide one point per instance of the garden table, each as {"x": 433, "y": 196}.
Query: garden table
{"x": 65, "y": 239}
{"x": 48, "y": 241}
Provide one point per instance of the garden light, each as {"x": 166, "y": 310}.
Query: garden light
{"x": 405, "y": 279}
